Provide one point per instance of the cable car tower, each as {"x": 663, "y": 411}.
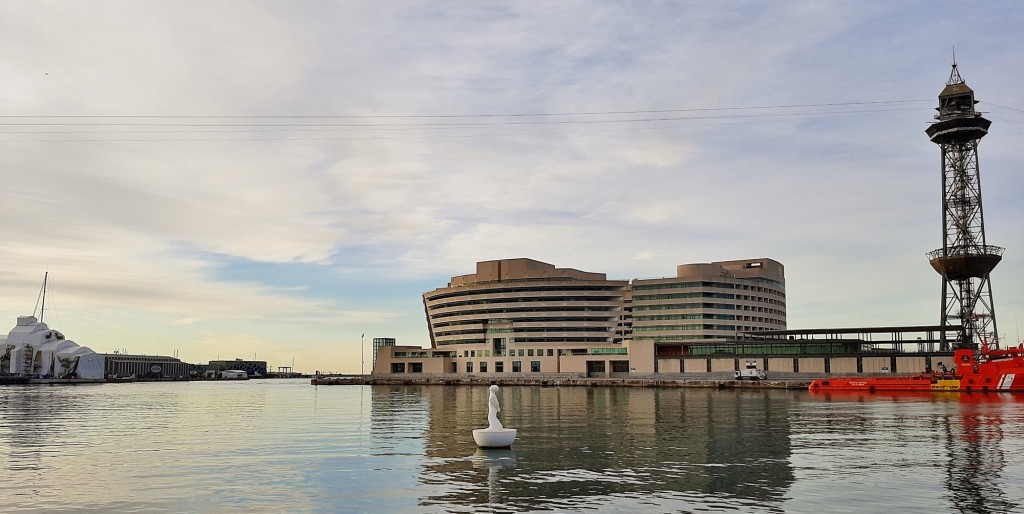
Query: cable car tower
{"x": 965, "y": 259}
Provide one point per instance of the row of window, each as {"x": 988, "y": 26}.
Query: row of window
{"x": 676, "y": 285}
{"x": 662, "y": 328}
{"x": 661, "y": 317}
{"x": 532, "y": 339}
{"x": 677, "y": 338}
{"x": 683, "y": 306}
{"x": 609, "y": 289}
{"x": 599, "y": 311}
{"x": 523, "y": 352}
{"x": 527, "y": 331}
{"x": 711, "y": 285}
{"x": 499, "y": 366}
{"x": 525, "y": 299}
{"x": 673, "y": 296}
{"x": 759, "y": 299}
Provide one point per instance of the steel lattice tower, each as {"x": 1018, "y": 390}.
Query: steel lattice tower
{"x": 965, "y": 259}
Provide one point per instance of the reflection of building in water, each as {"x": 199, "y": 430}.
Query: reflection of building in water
{"x": 580, "y": 443}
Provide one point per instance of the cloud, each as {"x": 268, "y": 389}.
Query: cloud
{"x": 146, "y": 228}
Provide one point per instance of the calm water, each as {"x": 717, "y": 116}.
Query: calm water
{"x": 286, "y": 446}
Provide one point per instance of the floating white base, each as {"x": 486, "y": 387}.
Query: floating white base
{"x": 499, "y": 438}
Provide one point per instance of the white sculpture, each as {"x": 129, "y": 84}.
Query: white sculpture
{"x": 495, "y": 435}
{"x": 493, "y": 409}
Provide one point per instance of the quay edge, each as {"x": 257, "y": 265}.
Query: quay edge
{"x": 563, "y": 381}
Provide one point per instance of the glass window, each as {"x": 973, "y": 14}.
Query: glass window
{"x": 535, "y": 366}
{"x": 487, "y": 353}
{"x": 469, "y": 367}
{"x": 522, "y": 352}
{"x": 551, "y": 352}
{"x": 483, "y": 367}
{"x": 529, "y": 352}
{"x": 499, "y": 367}
{"x": 517, "y": 366}
{"x": 472, "y": 353}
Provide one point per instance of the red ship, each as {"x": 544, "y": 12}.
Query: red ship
{"x": 987, "y": 370}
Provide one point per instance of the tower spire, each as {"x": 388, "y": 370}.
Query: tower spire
{"x": 954, "y": 74}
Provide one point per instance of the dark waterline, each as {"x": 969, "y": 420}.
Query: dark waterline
{"x": 286, "y": 446}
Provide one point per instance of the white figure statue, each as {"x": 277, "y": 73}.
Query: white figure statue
{"x": 493, "y": 409}
{"x": 495, "y": 435}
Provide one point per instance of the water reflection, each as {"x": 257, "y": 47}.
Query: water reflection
{"x": 976, "y": 460}
{"x": 586, "y": 447}
{"x": 267, "y": 446}
{"x": 954, "y": 443}
{"x": 494, "y": 461}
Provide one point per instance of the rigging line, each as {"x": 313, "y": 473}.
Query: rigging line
{"x": 475, "y": 125}
{"x": 343, "y": 116}
{"x": 1011, "y": 122}
{"x": 406, "y": 137}
{"x": 1003, "y": 106}
{"x": 379, "y": 128}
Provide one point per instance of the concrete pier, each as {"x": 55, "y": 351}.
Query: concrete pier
{"x": 564, "y": 381}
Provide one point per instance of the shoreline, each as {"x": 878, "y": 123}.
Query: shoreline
{"x": 796, "y": 384}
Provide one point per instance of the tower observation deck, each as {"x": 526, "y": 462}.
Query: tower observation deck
{"x": 965, "y": 259}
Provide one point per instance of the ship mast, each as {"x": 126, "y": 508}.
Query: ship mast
{"x": 41, "y": 298}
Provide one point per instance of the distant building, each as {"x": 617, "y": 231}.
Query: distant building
{"x": 123, "y": 365}
{"x": 709, "y": 302}
{"x": 252, "y": 368}
{"x": 525, "y": 316}
{"x": 32, "y": 349}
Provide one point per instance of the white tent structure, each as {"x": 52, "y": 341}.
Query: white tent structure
{"x": 35, "y": 350}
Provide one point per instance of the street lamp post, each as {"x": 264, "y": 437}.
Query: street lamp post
{"x": 361, "y": 354}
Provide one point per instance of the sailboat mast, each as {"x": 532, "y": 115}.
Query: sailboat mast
{"x": 42, "y": 310}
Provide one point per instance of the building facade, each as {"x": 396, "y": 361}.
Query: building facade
{"x": 123, "y": 365}
{"x": 254, "y": 368}
{"x": 708, "y": 303}
{"x": 524, "y": 316}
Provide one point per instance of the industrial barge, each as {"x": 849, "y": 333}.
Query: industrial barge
{"x": 987, "y": 370}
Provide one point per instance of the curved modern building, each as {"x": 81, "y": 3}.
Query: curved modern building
{"x": 708, "y": 302}
{"x": 526, "y": 301}
{"x": 32, "y": 349}
{"x": 526, "y": 316}
{"x": 705, "y": 309}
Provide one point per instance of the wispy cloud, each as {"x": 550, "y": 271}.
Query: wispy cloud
{"x": 291, "y": 236}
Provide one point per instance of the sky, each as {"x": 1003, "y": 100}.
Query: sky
{"x": 283, "y": 180}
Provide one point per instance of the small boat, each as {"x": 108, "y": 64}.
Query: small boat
{"x": 984, "y": 370}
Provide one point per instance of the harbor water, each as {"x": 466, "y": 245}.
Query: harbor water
{"x": 288, "y": 446}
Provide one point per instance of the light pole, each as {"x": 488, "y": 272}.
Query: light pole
{"x": 361, "y": 353}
